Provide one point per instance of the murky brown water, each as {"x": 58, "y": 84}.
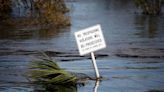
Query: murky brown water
{"x": 132, "y": 61}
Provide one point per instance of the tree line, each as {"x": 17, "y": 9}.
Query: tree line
{"x": 42, "y": 11}
{"x": 53, "y": 11}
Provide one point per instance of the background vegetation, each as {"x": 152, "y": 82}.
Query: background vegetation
{"x": 5, "y": 9}
{"x": 152, "y": 7}
{"x": 39, "y": 12}
{"x": 45, "y": 13}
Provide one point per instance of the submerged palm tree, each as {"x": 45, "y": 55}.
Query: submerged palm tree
{"x": 46, "y": 71}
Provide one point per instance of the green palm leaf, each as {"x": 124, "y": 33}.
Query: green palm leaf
{"x": 47, "y": 71}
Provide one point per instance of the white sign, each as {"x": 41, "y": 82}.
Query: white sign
{"x": 90, "y": 39}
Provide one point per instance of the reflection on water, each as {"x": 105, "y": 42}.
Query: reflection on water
{"x": 148, "y": 25}
{"x": 55, "y": 88}
{"x": 28, "y": 33}
{"x": 97, "y": 83}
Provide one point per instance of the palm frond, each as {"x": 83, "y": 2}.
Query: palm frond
{"x": 44, "y": 64}
{"x": 47, "y": 71}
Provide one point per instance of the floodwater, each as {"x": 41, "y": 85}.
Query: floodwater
{"x": 132, "y": 62}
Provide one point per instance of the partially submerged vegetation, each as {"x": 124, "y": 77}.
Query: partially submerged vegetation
{"x": 46, "y": 71}
{"x": 40, "y": 13}
{"x": 51, "y": 12}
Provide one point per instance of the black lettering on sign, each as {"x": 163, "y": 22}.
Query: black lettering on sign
{"x": 79, "y": 35}
{"x": 86, "y": 39}
{"x": 90, "y": 32}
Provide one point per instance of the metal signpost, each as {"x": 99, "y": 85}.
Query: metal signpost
{"x": 90, "y": 40}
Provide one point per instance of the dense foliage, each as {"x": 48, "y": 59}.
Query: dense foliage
{"x": 150, "y": 6}
{"x": 5, "y": 9}
{"x": 36, "y": 12}
{"x": 52, "y": 11}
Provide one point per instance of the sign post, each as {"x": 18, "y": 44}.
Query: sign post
{"x": 90, "y": 40}
{"x": 95, "y": 65}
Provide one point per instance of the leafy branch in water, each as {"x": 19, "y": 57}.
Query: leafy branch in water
{"x": 46, "y": 71}
{"x": 48, "y": 75}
